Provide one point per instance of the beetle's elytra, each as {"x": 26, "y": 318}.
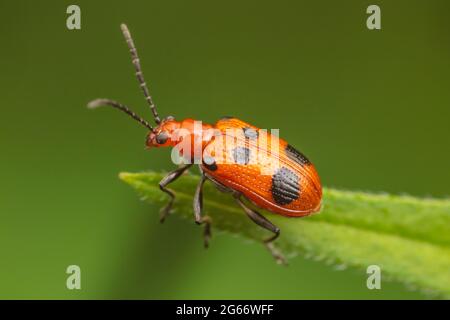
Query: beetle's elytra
{"x": 291, "y": 189}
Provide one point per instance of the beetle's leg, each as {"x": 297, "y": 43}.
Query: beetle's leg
{"x": 171, "y": 177}
{"x": 198, "y": 207}
{"x": 262, "y": 221}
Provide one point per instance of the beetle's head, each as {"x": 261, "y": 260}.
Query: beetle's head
{"x": 164, "y": 134}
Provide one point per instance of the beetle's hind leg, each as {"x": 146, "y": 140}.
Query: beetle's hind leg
{"x": 171, "y": 177}
{"x": 263, "y": 222}
{"x": 198, "y": 208}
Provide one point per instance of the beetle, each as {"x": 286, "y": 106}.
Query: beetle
{"x": 292, "y": 188}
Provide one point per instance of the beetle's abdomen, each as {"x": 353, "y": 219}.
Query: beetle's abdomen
{"x": 279, "y": 179}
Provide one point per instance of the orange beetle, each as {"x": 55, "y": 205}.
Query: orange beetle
{"x": 237, "y": 157}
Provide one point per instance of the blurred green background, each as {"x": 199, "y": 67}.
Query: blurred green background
{"x": 370, "y": 108}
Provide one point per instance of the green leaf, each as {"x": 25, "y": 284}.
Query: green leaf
{"x": 407, "y": 237}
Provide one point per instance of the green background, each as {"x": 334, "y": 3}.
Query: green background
{"x": 370, "y": 108}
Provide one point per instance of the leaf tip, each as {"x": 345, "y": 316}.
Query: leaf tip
{"x": 126, "y": 176}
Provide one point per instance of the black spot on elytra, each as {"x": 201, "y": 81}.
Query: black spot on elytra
{"x": 241, "y": 155}
{"x": 226, "y": 118}
{"x": 285, "y": 186}
{"x": 296, "y": 155}
{"x": 209, "y": 163}
{"x": 250, "y": 133}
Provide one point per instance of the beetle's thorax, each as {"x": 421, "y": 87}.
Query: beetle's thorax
{"x": 172, "y": 133}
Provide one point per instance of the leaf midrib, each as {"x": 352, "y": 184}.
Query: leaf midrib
{"x": 236, "y": 210}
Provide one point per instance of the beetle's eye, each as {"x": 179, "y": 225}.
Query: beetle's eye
{"x": 162, "y": 137}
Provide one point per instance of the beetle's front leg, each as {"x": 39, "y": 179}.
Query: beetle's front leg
{"x": 198, "y": 208}
{"x": 171, "y": 177}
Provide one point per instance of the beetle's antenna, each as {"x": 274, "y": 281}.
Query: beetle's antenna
{"x": 107, "y": 102}
{"x": 139, "y": 74}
